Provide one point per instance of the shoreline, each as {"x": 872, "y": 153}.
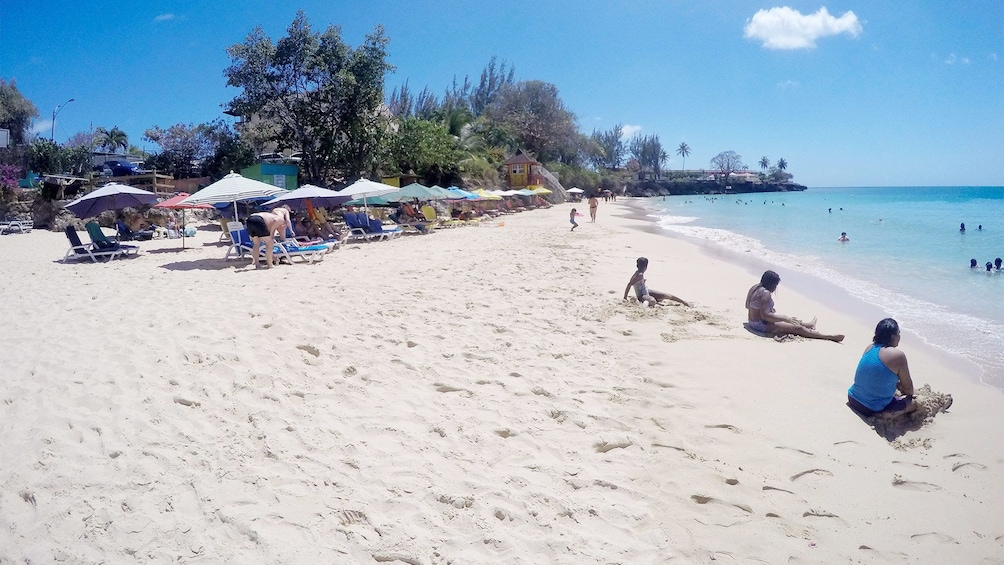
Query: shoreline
{"x": 480, "y": 395}
{"x": 814, "y": 287}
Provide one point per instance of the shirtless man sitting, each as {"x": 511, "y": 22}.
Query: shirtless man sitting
{"x": 763, "y": 319}
{"x": 264, "y": 226}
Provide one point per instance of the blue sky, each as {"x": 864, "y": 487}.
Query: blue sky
{"x": 862, "y": 94}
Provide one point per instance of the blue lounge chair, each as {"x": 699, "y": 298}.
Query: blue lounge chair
{"x": 79, "y": 251}
{"x": 242, "y": 243}
{"x": 126, "y": 234}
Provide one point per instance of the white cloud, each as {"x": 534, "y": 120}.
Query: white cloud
{"x": 628, "y": 131}
{"x": 785, "y": 28}
{"x": 41, "y": 127}
{"x": 789, "y": 84}
{"x": 164, "y": 18}
{"x": 965, "y": 60}
{"x": 993, "y": 56}
{"x": 951, "y": 59}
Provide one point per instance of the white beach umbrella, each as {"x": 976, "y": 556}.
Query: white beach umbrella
{"x": 575, "y": 190}
{"x": 364, "y": 188}
{"x": 233, "y": 188}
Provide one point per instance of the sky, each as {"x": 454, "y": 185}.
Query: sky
{"x": 849, "y": 93}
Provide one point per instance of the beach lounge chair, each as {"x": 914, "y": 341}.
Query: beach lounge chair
{"x": 289, "y": 249}
{"x": 19, "y": 226}
{"x": 430, "y": 214}
{"x": 378, "y": 227}
{"x": 360, "y": 229}
{"x": 126, "y": 234}
{"x": 78, "y": 250}
{"x": 101, "y": 241}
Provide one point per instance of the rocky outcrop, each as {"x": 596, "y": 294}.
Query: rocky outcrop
{"x": 667, "y": 188}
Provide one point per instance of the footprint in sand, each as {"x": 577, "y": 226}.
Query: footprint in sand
{"x": 900, "y": 482}
{"x": 818, "y": 514}
{"x": 440, "y": 387}
{"x": 821, "y": 472}
{"x": 795, "y": 449}
{"x": 767, "y": 487}
{"x": 605, "y": 446}
{"x": 979, "y": 466}
{"x": 701, "y": 499}
{"x": 934, "y": 536}
{"x": 729, "y": 427}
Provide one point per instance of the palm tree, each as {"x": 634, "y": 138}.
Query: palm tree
{"x": 683, "y": 150}
{"x": 764, "y": 163}
{"x": 782, "y": 164}
{"x": 112, "y": 139}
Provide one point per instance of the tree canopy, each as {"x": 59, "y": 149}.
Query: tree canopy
{"x": 321, "y": 96}
{"x": 16, "y": 112}
{"x": 726, "y": 163}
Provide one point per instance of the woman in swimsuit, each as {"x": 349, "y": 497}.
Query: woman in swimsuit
{"x": 641, "y": 290}
{"x": 763, "y": 318}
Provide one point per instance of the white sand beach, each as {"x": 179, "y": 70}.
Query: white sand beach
{"x": 477, "y": 395}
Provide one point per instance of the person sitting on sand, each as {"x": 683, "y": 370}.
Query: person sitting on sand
{"x": 265, "y": 226}
{"x": 881, "y": 371}
{"x": 646, "y": 295}
{"x": 763, "y": 319}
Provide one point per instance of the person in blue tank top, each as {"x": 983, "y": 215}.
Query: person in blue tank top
{"x": 882, "y": 371}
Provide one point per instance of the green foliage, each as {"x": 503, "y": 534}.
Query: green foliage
{"x": 764, "y": 163}
{"x": 45, "y": 156}
{"x": 683, "y": 150}
{"x": 534, "y": 113}
{"x": 16, "y": 112}
{"x": 425, "y": 148}
{"x": 321, "y": 96}
{"x": 576, "y": 176}
{"x": 112, "y": 139}
{"x": 782, "y": 164}
{"x": 611, "y": 148}
{"x": 76, "y": 160}
{"x": 647, "y": 149}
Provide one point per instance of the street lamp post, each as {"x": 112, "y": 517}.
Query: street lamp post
{"x": 52, "y": 131}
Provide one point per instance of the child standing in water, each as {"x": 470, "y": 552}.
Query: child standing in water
{"x": 571, "y": 219}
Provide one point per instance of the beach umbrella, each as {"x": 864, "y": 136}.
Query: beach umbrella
{"x": 176, "y": 202}
{"x": 365, "y": 188}
{"x": 113, "y": 196}
{"x": 540, "y": 190}
{"x": 484, "y": 195}
{"x": 315, "y": 195}
{"x": 575, "y": 190}
{"x": 233, "y": 188}
{"x": 462, "y": 194}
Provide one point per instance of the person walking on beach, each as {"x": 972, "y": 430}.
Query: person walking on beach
{"x": 571, "y": 218}
{"x": 646, "y": 295}
{"x": 763, "y": 319}
{"x": 263, "y": 226}
{"x": 593, "y": 203}
{"x": 882, "y": 371}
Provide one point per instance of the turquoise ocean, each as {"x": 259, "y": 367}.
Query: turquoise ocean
{"x": 906, "y": 255}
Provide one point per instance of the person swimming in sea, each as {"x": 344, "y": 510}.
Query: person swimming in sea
{"x": 973, "y": 264}
{"x": 997, "y": 263}
{"x": 843, "y": 237}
